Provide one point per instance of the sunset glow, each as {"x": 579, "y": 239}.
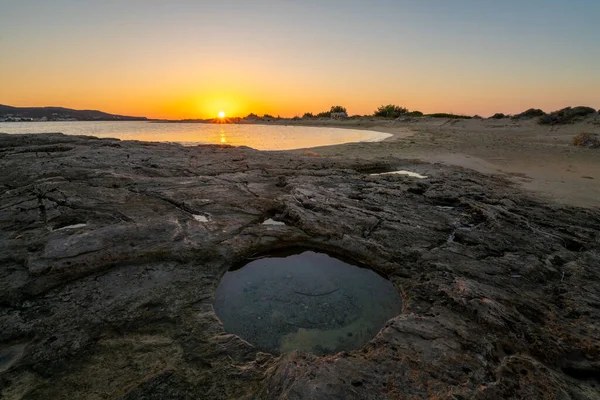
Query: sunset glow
{"x": 176, "y": 60}
{"x": 221, "y": 114}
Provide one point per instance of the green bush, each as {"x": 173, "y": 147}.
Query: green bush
{"x": 531, "y": 113}
{"x": 566, "y": 115}
{"x": 390, "y": 111}
{"x": 338, "y": 109}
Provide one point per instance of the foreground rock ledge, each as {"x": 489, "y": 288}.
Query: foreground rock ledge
{"x": 107, "y": 273}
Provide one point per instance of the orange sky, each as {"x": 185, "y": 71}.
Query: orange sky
{"x": 184, "y": 60}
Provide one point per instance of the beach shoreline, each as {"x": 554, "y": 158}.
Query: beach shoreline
{"x": 539, "y": 158}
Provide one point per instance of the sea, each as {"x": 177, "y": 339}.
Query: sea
{"x": 260, "y": 137}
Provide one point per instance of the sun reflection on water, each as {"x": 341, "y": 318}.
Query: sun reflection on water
{"x": 262, "y": 137}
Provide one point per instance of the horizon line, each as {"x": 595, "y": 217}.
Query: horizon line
{"x": 296, "y": 115}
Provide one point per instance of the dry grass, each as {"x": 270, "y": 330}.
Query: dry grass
{"x": 589, "y": 140}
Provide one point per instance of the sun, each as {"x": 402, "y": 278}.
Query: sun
{"x": 221, "y": 114}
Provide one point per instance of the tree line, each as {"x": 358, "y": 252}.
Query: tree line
{"x": 384, "y": 111}
{"x": 562, "y": 116}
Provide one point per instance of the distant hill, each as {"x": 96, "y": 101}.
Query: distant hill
{"x": 60, "y": 114}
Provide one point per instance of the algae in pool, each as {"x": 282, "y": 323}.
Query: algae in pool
{"x": 308, "y": 302}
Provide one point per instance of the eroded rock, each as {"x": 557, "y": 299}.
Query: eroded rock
{"x": 123, "y": 306}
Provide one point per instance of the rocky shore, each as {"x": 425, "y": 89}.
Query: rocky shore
{"x": 110, "y": 252}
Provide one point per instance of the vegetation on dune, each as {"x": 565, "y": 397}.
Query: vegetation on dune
{"x": 327, "y": 114}
{"x": 531, "y": 113}
{"x": 450, "y": 116}
{"x": 338, "y": 109}
{"x": 390, "y": 111}
{"x": 564, "y": 116}
{"x": 387, "y": 111}
{"x": 589, "y": 140}
{"x": 567, "y": 115}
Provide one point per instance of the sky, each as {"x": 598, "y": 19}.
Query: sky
{"x": 192, "y": 59}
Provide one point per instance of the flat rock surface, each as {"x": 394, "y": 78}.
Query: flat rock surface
{"x": 110, "y": 252}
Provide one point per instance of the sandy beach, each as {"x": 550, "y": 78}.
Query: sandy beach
{"x": 539, "y": 158}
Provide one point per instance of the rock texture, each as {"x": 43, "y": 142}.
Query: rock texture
{"x": 110, "y": 252}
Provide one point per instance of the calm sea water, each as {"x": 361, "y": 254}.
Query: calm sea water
{"x": 308, "y": 302}
{"x": 262, "y": 137}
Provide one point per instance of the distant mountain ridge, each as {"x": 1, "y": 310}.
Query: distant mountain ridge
{"x": 60, "y": 114}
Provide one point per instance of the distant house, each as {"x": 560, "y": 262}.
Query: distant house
{"x": 338, "y": 115}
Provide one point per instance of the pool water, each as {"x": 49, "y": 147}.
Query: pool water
{"x": 309, "y": 302}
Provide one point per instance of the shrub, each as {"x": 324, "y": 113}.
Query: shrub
{"x": 338, "y": 109}
{"x": 589, "y": 140}
{"x": 498, "y": 116}
{"x": 567, "y": 115}
{"x": 390, "y": 111}
{"x": 251, "y": 116}
{"x": 451, "y": 116}
{"x": 531, "y": 113}
{"x": 308, "y": 115}
{"x": 414, "y": 114}
{"x": 268, "y": 116}
{"x": 325, "y": 114}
